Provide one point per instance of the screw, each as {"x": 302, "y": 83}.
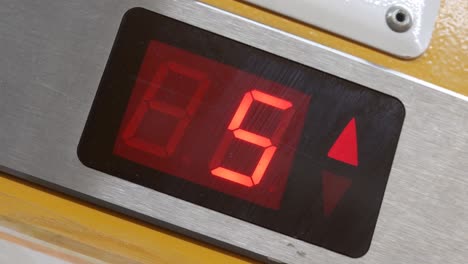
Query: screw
{"x": 399, "y": 19}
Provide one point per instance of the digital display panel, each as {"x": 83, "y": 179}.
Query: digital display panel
{"x": 243, "y": 132}
{"x": 212, "y": 124}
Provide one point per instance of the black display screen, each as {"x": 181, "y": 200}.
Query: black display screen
{"x": 241, "y": 131}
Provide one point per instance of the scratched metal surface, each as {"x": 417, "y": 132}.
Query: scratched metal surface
{"x": 445, "y": 63}
{"x": 51, "y": 65}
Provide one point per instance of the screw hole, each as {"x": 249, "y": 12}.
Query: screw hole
{"x": 400, "y": 17}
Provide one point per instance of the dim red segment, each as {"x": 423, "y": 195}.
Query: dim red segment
{"x": 151, "y": 141}
{"x": 150, "y": 103}
{"x": 345, "y": 148}
{"x": 334, "y": 187}
{"x": 175, "y": 76}
{"x": 176, "y": 90}
{"x": 168, "y": 109}
{"x": 241, "y": 156}
{"x": 255, "y": 121}
{"x": 191, "y": 120}
{"x": 252, "y": 138}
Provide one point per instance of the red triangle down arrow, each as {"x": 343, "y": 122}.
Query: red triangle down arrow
{"x": 345, "y": 148}
{"x": 334, "y": 188}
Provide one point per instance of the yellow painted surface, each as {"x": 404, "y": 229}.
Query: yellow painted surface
{"x": 20, "y": 248}
{"x": 115, "y": 239}
{"x": 96, "y": 233}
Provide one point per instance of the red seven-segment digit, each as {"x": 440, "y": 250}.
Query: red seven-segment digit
{"x": 149, "y": 103}
{"x": 270, "y": 144}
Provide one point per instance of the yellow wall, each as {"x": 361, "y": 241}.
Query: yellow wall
{"x": 116, "y": 239}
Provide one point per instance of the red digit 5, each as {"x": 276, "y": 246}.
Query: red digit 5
{"x": 149, "y": 103}
{"x": 269, "y": 144}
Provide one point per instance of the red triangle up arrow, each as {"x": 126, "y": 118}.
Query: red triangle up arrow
{"x": 345, "y": 148}
{"x": 334, "y": 188}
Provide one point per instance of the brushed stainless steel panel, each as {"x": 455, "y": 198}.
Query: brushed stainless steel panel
{"x": 53, "y": 55}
